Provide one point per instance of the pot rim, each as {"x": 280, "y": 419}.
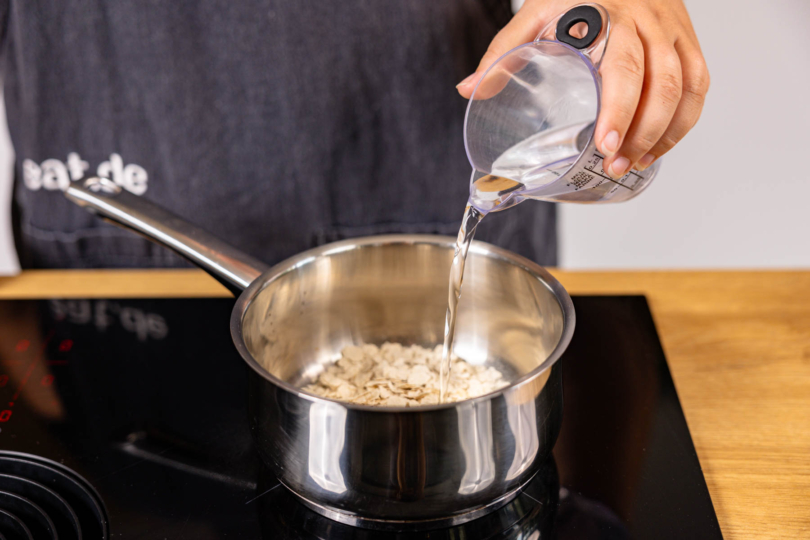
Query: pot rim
{"x": 245, "y": 299}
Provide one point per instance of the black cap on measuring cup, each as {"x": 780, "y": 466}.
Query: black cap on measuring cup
{"x": 580, "y": 14}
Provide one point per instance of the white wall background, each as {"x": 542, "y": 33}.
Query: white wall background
{"x": 734, "y": 193}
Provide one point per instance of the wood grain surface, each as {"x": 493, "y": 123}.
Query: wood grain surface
{"x": 738, "y": 346}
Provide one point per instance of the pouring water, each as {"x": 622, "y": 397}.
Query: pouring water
{"x": 528, "y": 133}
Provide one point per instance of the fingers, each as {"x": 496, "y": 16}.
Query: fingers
{"x": 695, "y": 87}
{"x": 622, "y": 80}
{"x": 661, "y": 94}
{"x": 523, "y": 28}
{"x": 654, "y": 77}
{"x": 496, "y": 78}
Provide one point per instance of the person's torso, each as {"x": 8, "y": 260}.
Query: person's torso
{"x": 276, "y": 125}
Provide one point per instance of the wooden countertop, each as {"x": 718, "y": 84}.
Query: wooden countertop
{"x": 738, "y": 346}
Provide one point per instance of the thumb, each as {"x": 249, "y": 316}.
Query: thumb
{"x": 523, "y": 28}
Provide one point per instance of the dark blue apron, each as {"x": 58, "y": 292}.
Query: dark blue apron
{"x": 278, "y": 126}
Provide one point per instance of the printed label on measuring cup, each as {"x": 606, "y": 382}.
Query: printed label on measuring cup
{"x": 592, "y": 170}
{"x": 587, "y": 182}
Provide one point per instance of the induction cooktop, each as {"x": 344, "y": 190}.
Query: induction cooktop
{"x": 129, "y": 419}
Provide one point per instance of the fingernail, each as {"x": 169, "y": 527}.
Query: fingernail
{"x": 619, "y": 167}
{"x": 466, "y": 81}
{"x": 610, "y": 144}
{"x": 645, "y": 162}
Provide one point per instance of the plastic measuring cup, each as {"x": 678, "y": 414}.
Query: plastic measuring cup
{"x": 529, "y": 125}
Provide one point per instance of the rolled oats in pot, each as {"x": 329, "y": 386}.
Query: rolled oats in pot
{"x": 397, "y": 376}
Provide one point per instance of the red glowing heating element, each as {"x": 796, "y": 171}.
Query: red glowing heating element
{"x": 65, "y": 345}
{"x": 22, "y": 345}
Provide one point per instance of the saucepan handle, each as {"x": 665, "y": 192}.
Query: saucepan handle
{"x": 231, "y": 267}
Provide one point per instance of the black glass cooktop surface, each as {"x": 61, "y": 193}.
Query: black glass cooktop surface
{"x": 133, "y": 415}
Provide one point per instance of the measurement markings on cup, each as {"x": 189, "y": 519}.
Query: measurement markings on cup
{"x": 595, "y": 162}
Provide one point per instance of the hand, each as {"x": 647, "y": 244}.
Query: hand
{"x": 654, "y": 77}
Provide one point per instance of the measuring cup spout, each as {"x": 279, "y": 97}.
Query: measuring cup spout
{"x": 231, "y": 267}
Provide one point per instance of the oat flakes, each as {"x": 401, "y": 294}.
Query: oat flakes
{"x": 395, "y": 375}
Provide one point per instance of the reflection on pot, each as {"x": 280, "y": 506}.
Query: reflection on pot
{"x": 531, "y": 515}
{"x": 327, "y": 435}
{"x": 475, "y": 434}
{"x": 521, "y": 414}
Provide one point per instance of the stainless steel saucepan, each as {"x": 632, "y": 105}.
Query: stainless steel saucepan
{"x": 383, "y": 467}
